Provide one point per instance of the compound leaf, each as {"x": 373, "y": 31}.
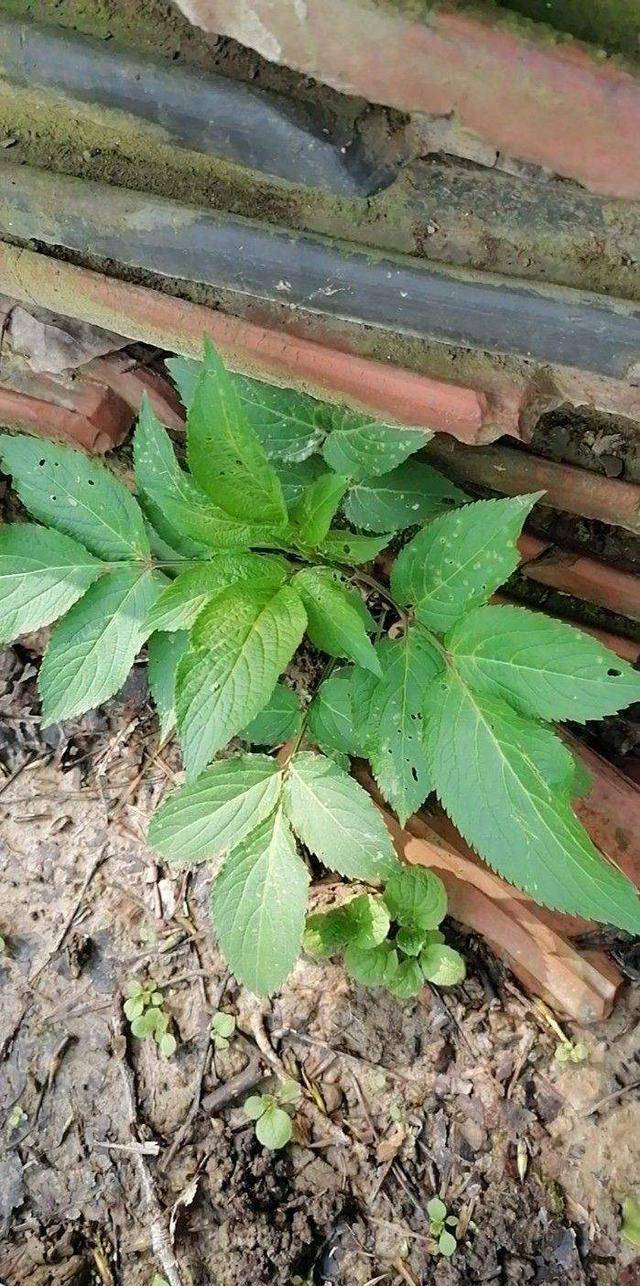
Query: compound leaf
{"x": 336, "y": 617}
{"x": 42, "y": 573}
{"x": 459, "y": 560}
{"x": 205, "y": 818}
{"x": 337, "y": 819}
{"x": 225, "y": 454}
{"x": 363, "y": 448}
{"x": 240, "y": 644}
{"x": 77, "y": 496}
{"x": 505, "y": 782}
{"x": 316, "y": 507}
{"x": 545, "y": 668}
{"x": 258, "y": 906}
{"x": 94, "y": 646}
{"x": 182, "y": 601}
{"x": 280, "y": 719}
{"x": 407, "y": 497}
{"x": 165, "y": 651}
{"x": 395, "y": 746}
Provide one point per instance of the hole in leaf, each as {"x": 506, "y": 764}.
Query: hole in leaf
{"x": 613, "y": 673}
{"x": 90, "y": 482}
{"x": 41, "y": 462}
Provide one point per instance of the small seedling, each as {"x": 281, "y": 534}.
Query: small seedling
{"x": 273, "y": 1125}
{"x": 144, "y": 1008}
{"x": 159, "y": 1280}
{"x": 392, "y": 941}
{"x": 440, "y": 1223}
{"x": 631, "y": 1219}
{"x": 17, "y": 1117}
{"x": 568, "y": 1051}
{"x": 223, "y": 1026}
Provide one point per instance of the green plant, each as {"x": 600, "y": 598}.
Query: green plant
{"x": 223, "y": 568}
{"x": 569, "y": 1051}
{"x": 631, "y": 1219}
{"x": 222, "y": 1028}
{"x": 273, "y": 1124}
{"x": 392, "y": 940}
{"x": 144, "y": 1008}
{"x": 440, "y": 1225}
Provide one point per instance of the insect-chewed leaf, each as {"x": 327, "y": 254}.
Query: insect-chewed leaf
{"x": 442, "y": 965}
{"x": 42, "y": 573}
{"x": 406, "y": 497}
{"x": 225, "y": 454}
{"x": 348, "y": 547}
{"x": 316, "y": 507}
{"x": 279, "y": 720}
{"x": 337, "y": 819}
{"x": 395, "y": 746}
{"x": 416, "y": 898}
{"x": 165, "y": 651}
{"x": 205, "y": 818}
{"x": 545, "y": 668}
{"x": 258, "y": 906}
{"x": 77, "y": 496}
{"x": 460, "y": 559}
{"x": 240, "y": 644}
{"x": 178, "y": 508}
{"x": 182, "y": 601}
{"x": 94, "y": 646}
{"x": 362, "y": 448}
{"x": 336, "y": 617}
{"x": 331, "y": 720}
{"x": 505, "y": 781}
{"x": 286, "y": 422}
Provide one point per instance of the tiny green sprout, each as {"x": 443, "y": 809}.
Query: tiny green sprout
{"x": 568, "y": 1051}
{"x": 631, "y": 1219}
{"x": 17, "y": 1117}
{"x": 159, "y": 1280}
{"x": 273, "y": 1125}
{"x": 144, "y": 1009}
{"x": 440, "y": 1223}
{"x": 223, "y": 1026}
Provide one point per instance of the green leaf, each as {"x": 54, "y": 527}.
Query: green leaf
{"x": 254, "y": 1106}
{"x": 337, "y": 819}
{"x": 368, "y": 920}
{"x": 286, "y": 422}
{"x": 66, "y": 490}
{"x": 182, "y": 601}
{"x": 460, "y": 559}
{"x": 226, "y": 456}
{"x": 133, "y": 1007}
{"x": 631, "y": 1219}
{"x": 408, "y": 981}
{"x": 411, "y": 941}
{"x": 327, "y": 931}
{"x": 279, "y": 720}
{"x": 223, "y": 1024}
{"x": 330, "y": 718}
{"x": 395, "y": 746}
{"x": 416, "y": 898}
{"x": 335, "y": 619}
{"x": 442, "y": 965}
{"x": 317, "y": 506}
{"x": 545, "y": 668}
{"x": 289, "y": 1091}
{"x": 505, "y": 782}
{"x": 436, "y": 1210}
{"x": 374, "y": 968}
{"x": 363, "y": 448}
{"x": 185, "y": 373}
{"x": 447, "y": 1244}
{"x": 42, "y": 573}
{"x": 258, "y": 906}
{"x": 205, "y": 818}
{"x": 165, "y": 652}
{"x": 295, "y": 478}
{"x": 167, "y": 1044}
{"x": 241, "y": 643}
{"x": 94, "y": 646}
{"x": 407, "y": 497}
{"x": 347, "y": 547}
{"x": 274, "y": 1128}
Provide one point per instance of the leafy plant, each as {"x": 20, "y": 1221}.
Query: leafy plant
{"x": 222, "y": 1028}
{"x": 144, "y": 1008}
{"x": 392, "y": 941}
{"x": 223, "y": 567}
{"x": 569, "y": 1051}
{"x": 440, "y": 1225}
{"x": 273, "y": 1124}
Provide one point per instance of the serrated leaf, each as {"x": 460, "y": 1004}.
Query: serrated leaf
{"x": 408, "y": 981}
{"x": 363, "y": 448}
{"x": 407, "y": 497}
{"x": 416, "y": 898}
{"x": 330, "y": 719}
{"x": 77, "y": 496}
{"x": 543, "y": 667}
{"x": 280, "y": 719}
{"x": 225, "y": 455}
{"x": 368, "y": 921}
{"x": 185, "y": 373}
{"x": 395, "y": 746}
{"x": 371, "y": 968}
{"x": 42, "y": 573}
{"x": 165, "y": 652}
{"x": 314, "y": 511}
{"x": 182, "y": 601}
{"x": 287, "y": 422}
{"x": 337, "y": 819}
{"x": 177, "y": 507}
{"x": 240, "y": 644}
{"x": 442, "y": 965}
{"x": 94, "y": 646}
{"x": 411, "y": 941}
{"x": 327, "y": 931}
{"x": 348, "y": 547}
{"x": 335, "y": 618}
{"x": 258, "y": 906}
{"x": 296, "y": 477}
{"x": 204, "y": 818}
{"x": 459, "y": 560}
{"x": 274, "y": 1128}
{"x": 505, "y": 782}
